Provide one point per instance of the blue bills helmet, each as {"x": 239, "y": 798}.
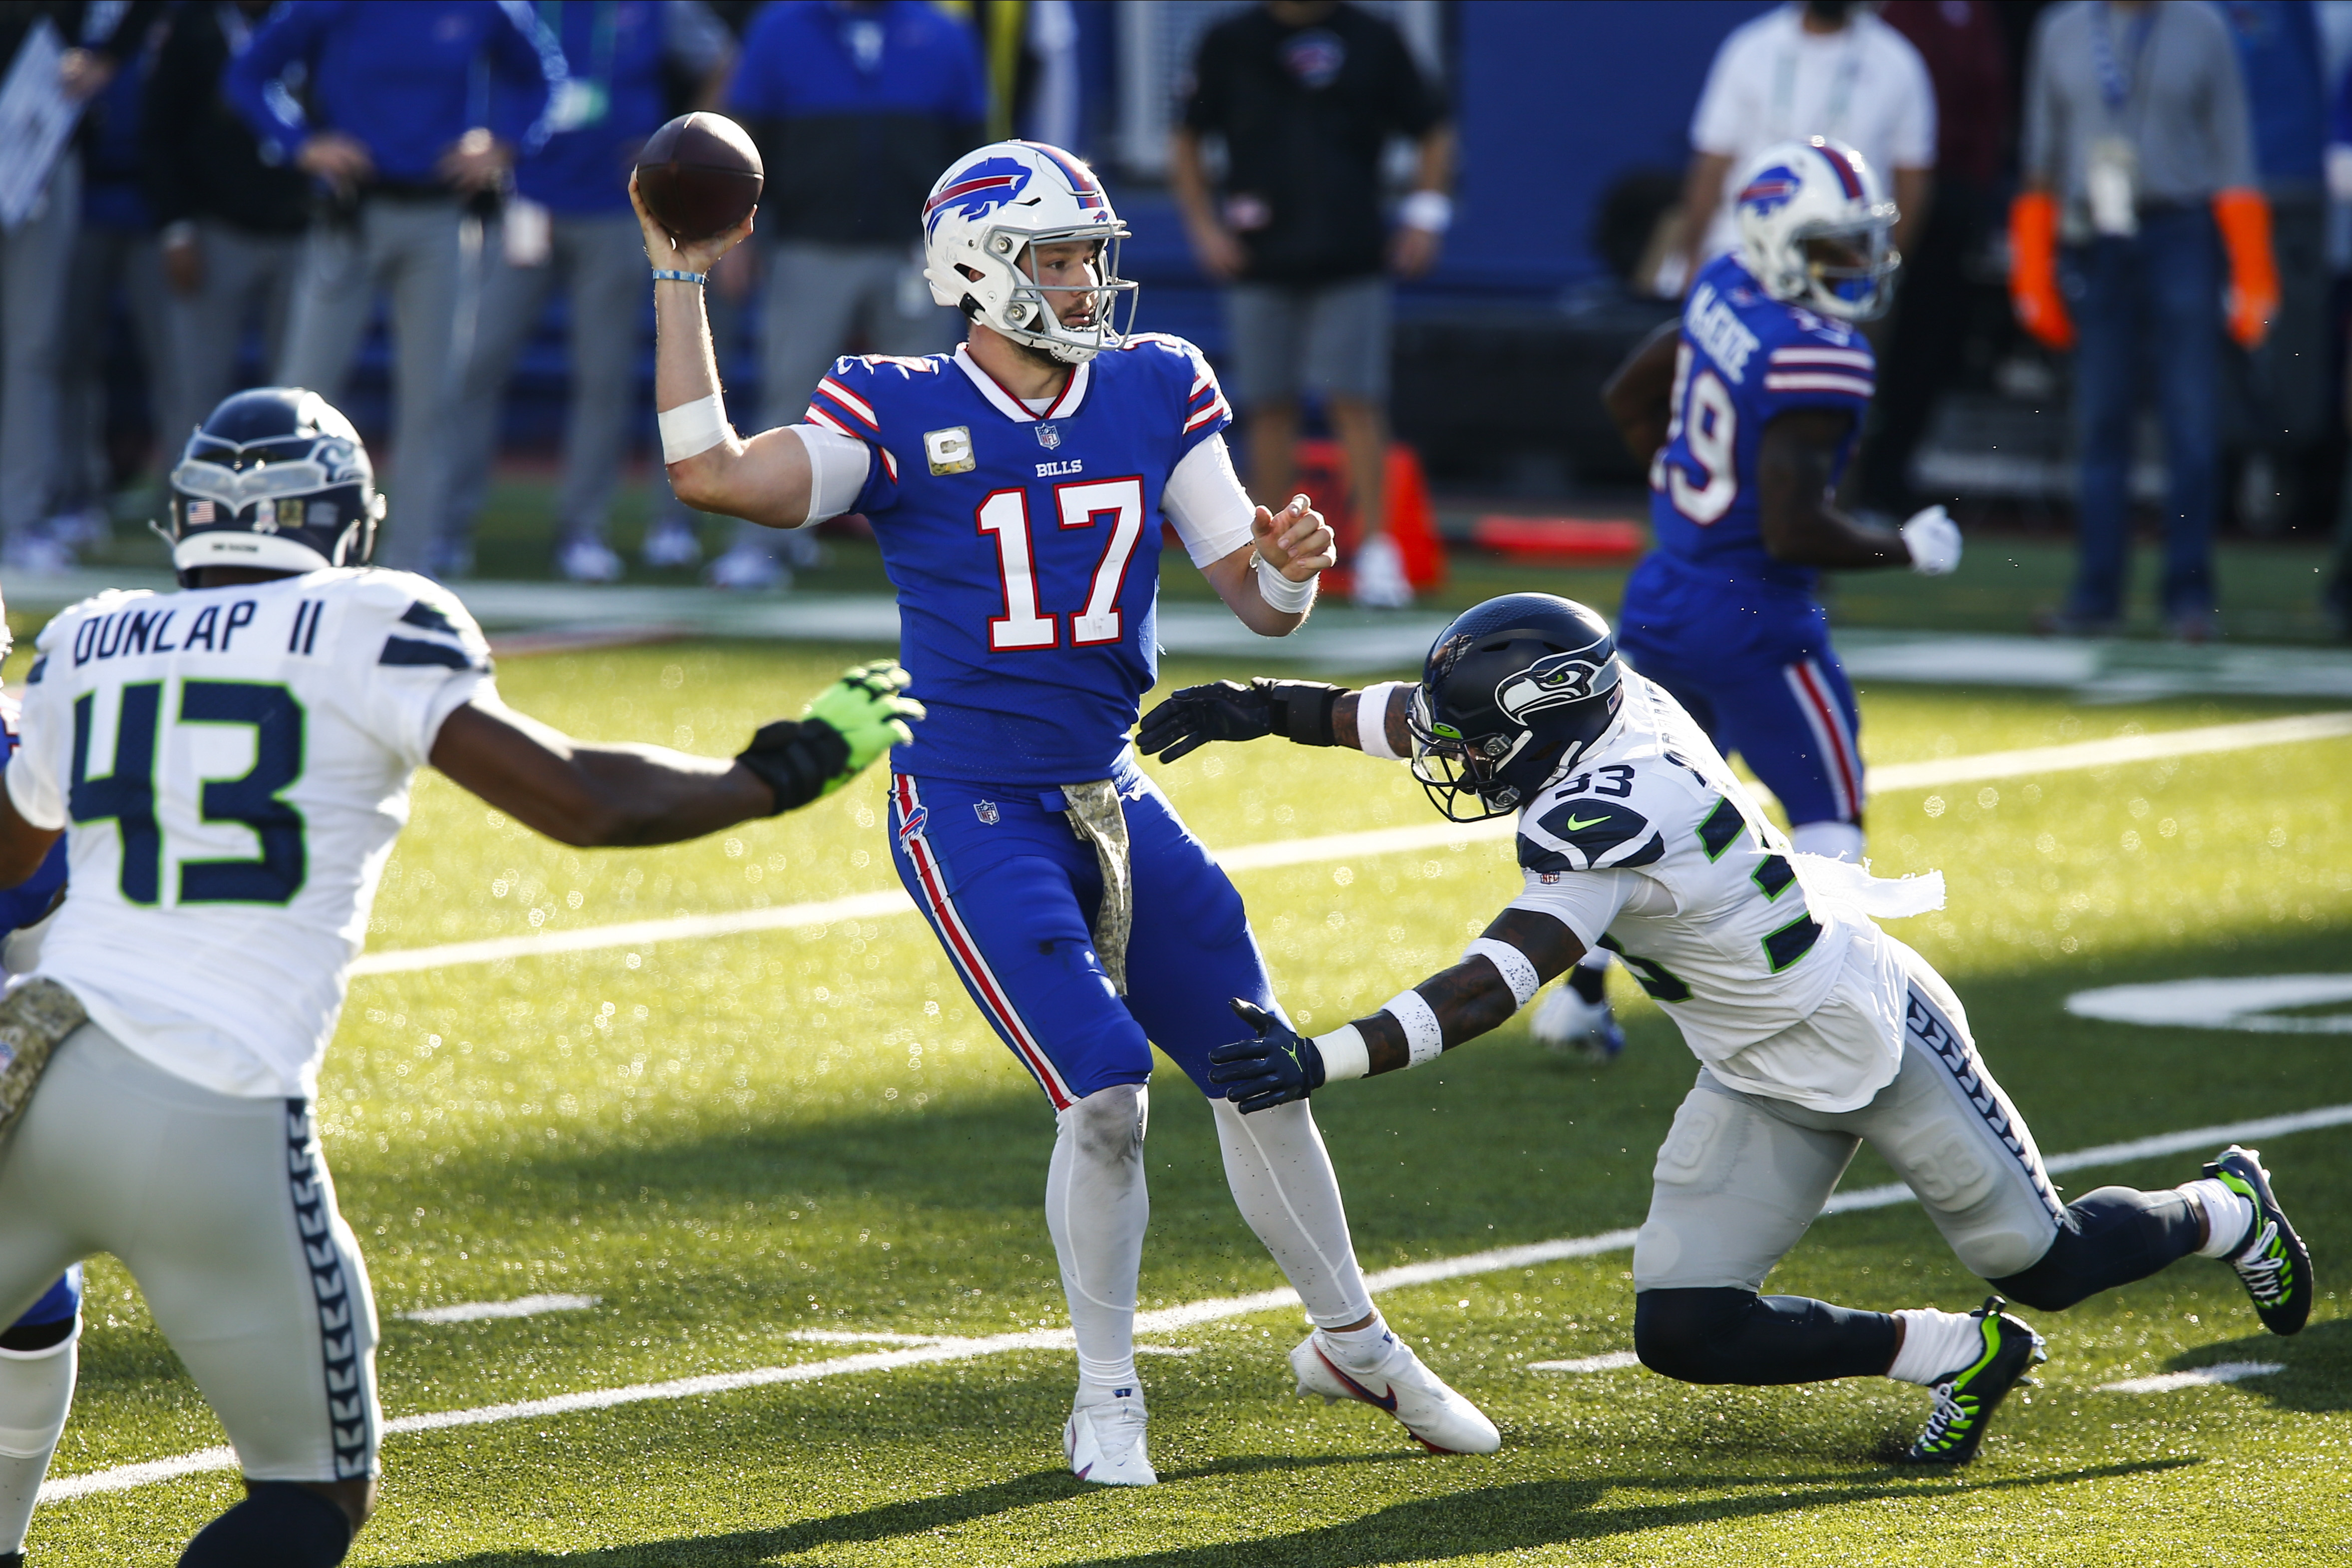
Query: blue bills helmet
{"x": 276, "y": 478}
{"x": 1513, "y": 693}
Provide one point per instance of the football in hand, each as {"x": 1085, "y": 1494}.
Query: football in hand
{"x": 699, "y": 174}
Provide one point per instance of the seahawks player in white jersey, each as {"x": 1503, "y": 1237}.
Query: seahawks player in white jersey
{"x": 1816, "y": 1030}
{"x": 228, "y": 765}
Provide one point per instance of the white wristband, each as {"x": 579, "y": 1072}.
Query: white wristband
{"x": 1517, "y": 972}
{"x": 1431, "y": 211}
{"x": 692, "y": 427}
{"x": 1345, "y": 1054}
{"x": 1279, "y": 592}
{"x": 1423, "y": 1037}
{"x": 1373, "y": 719}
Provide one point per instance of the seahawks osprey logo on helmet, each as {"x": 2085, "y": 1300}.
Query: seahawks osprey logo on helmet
{"x": 1555, "y": 681}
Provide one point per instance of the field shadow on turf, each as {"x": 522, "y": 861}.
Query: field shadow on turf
{"x": 1465, "y": 1523}
{"x": 2318, "y": 1375}
{"x": 915, "y": 1516}
{"x": 1545, "y": 1513}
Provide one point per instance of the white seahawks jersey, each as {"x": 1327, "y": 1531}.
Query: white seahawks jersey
{"x": 231, "y": 765}
{"x": 1651, "y": 848}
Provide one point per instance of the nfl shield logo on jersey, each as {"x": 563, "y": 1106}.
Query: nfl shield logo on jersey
{"x": 986, "y": 811}
{"x": 1049, "y": 436}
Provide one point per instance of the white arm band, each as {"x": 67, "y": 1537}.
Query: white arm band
{"x": 837, "y": 469}
{"x": 1423, "y": 1037}
{"x": 1372, "y": 720}
{"x": 692, "y": 428}
{"x": 1204, "y": 502}
{"x": 1345, "y": 1055}
{"x": 1517, "y": 972}
{"x": 1279, "y": 592}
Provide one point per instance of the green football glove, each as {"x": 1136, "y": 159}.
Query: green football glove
{"x": 852, "y": 722}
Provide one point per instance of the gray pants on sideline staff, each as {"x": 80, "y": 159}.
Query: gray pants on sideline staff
{"x": 816, "y": 295}
{"x": 244, "y": 275}
{"x": 104, "y": 257}
{"x": 35, "y": 257}
{"x": 601, "y": 261}
{"x": 411, "y": 250}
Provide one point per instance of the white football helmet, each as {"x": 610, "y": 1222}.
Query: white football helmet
{"x": 1796, "y": 192}
{"x": 983, "y": 216}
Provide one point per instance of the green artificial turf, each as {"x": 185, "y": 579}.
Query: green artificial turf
{"x": 730, "y": 1139}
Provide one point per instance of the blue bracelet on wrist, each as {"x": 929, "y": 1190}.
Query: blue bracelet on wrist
{"x": 664, "y": 275}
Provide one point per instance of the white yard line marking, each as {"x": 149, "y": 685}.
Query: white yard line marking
{"x": 2108, "y": 753}
{"x": 921, "y": 1349}
{"x": 858, "y": 1336}
{"x": 520, "y": 1307}
{"x": 2196, "y": 1377}
{"x": 1349, "y": 846}
{"x": 1614, "y": 1361}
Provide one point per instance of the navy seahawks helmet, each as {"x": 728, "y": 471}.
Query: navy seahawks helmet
{"x": 276, "y": 478}
{"x": 1512, "y": 693}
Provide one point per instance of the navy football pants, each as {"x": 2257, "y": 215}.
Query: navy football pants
{"x": 1755, "y": 668}
{"x": 1011, "y": 891}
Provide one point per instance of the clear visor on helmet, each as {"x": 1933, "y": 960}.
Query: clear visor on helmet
{"x": 238, "y": 488}
{"x": 1046, "y": 308}
{"x": 1450, "y": 765}
{"x": 1851, "y": 263}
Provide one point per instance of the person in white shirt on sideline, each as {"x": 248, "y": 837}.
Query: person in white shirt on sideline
{"x": 1811, "y": 68}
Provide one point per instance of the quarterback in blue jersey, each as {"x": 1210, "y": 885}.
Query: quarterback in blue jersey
{"x": 1018, "y": 487}
{"x": 1747, "y": 411}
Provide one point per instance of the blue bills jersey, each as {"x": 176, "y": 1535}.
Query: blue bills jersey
{"x": 1025, "y": 546}
{"x": 1744, "y": 359}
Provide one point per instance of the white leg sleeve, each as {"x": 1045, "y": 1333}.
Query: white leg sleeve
{"x": 1284, "y": 1184}
{"x": 1097, "y": 1208}
{"x": 36, "y": 1391}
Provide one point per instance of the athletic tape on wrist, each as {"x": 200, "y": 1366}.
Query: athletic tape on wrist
{"x": 1279, "y": 592}
{"x": 670, "y": 275}
{"x": 1345, "y": 1054}
{"x": 1423, "y": 1037}
{"x": 692, "y": 428}
{"x": 1372, "y": 720}
{"x": 1516, "y": 971}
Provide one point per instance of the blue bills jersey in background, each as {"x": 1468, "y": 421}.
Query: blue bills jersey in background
{"x": 1735, "y": 635}
{"x": 1025, "y": 546}
{"x": 1745, "y": 360}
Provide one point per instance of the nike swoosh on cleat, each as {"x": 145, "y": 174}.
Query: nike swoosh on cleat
{"x": 1362, "y": 1393}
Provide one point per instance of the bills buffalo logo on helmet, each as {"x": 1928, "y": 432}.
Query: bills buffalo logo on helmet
{"x": 1771, "y": 191}
{"x": 979, "y": 190}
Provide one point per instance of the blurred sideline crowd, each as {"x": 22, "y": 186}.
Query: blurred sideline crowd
{"x": 2163, "y": 183}
{"x": 2150, "y": 178}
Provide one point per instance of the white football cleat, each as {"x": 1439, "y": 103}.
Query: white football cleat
{"x": 1566, "y": 1023}
{"x": 1439, "y": 1419}
{"x": 1105, "y": 1443}
{"x": 581, "y": 558}
{"x": 747, "y": 569}
{"x": 671, "y": 542}
{"x": 1381, "y": 582}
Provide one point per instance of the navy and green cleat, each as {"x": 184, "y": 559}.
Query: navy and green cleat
{"x": 1966, "y": 1399}
{"x": 2274, "y": 1265}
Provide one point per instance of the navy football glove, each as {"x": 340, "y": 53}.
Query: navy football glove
{"x": 1275, "y": 1067}
{"x": 1227, "y": 710}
